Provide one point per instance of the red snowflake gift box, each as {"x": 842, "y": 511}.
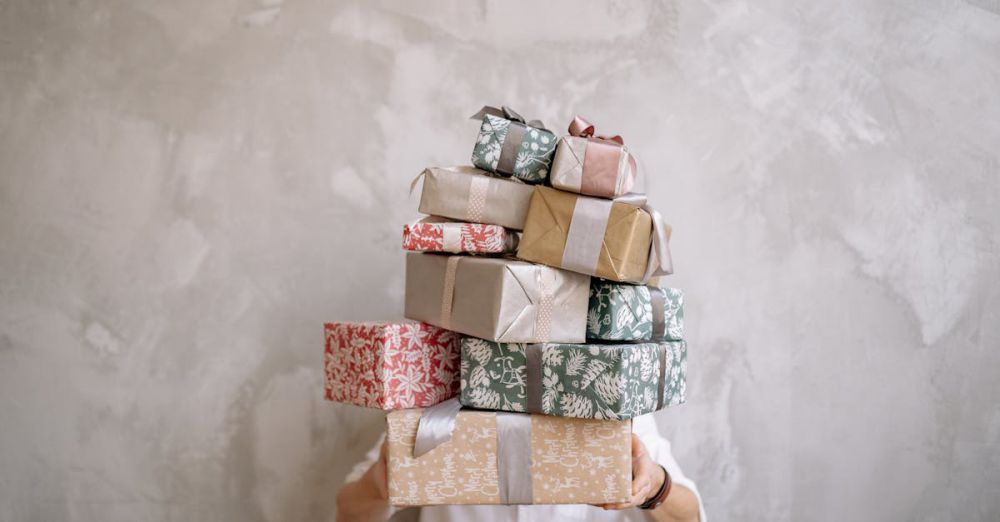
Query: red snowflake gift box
{"x": 440, "y": 235}
{"x": 391, "y": 366}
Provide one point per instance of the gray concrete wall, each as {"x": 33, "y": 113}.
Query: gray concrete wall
{"x": 189, "y": 189}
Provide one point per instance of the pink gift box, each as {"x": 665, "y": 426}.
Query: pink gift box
{"x": 455, "y": 237}
{"x": 391, "y": 366}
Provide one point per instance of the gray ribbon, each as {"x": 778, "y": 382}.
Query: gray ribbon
{"x": 507, "y": 113}
{"x": 658, "y": 300}
{"x": 514, "y": 458}
{"x": 533, "y": 379}
{"x": 662, "y": 353}
{"x": 508, "y": 152}
{"x": 436, "y": 425}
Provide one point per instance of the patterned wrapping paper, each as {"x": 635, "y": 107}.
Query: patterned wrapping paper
{"x": 599, "y": 381}
{"x": 473, "y": 195}
{"x": 573, "y": 461}
{"x": 622, "y": 233}
{"x": 496, "y": 298}
{"x": 390, "y": 365}
{"x": 512, "y": 148}
{"x": 438, "y": 235}
{"x": 621, "y": 312}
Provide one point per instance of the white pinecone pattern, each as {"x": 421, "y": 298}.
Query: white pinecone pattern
{"x": 601, "y": 381}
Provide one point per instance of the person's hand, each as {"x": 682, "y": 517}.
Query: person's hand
{"x": 368, "y": 497}
{"x": 647, "y": 477}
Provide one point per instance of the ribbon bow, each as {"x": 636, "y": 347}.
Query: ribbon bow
{"x": 507, "y": 113}
{"x": 584, "y": 129}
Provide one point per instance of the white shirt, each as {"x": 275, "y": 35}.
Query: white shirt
{"x": 643, "y": 426}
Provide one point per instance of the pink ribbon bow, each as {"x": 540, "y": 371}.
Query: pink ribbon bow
{"x": 584, "y": 129}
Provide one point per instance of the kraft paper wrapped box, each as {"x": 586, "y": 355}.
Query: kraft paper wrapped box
{"x": 509, "y": 146}
{"x": 599, "y": 237}
{"x": 597, "y": 381}
{"x": 509, "y": 458}
{"x": 623, "y": 312}
{"x": 433, "y": 234}
{"x": 592, "y": 165}
{"x": 390, "y": 365}
{"x": 473, "y": 195}
{"x": 496, "y": 298}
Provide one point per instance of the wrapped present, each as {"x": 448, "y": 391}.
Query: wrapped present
{"x": 390, "y": 365}
{"x": 434, "y": 234}
{"x": 620, "y": 240}
{"x": 495, "y": 298}
{"x": 594, "y": 381}
{"x": 442, "y": 455}
{"x": 473, "y": 195}
{"x": 592, "y": 165}
{"x": 510, "y": 146}
{"x": 622, "y": 312}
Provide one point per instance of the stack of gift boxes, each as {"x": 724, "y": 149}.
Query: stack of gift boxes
{"x": 531, "y": 284}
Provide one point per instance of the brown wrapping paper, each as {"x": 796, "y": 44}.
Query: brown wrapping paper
{"x": 622, "y": 244}
{"x": 502, "y": 300}
{"x": 573, "y": 461}
{"x": 473, "y": 195}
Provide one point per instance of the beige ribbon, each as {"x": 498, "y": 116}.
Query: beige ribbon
{"x": 543, "y": 313}
{"x": 448, "y": 292}
{"x": 451, "y": 237}
{"x": 475, "y": 204}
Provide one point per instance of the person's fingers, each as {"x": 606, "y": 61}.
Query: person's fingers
{"x": 638, "y": 448}
{"x": 639, "y": 484}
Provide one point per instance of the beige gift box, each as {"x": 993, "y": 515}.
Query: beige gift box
{"x": 538, "y": 459}
{"x": 593, "y": 167}
{"x": 502, "y": 300}
{"x": 473, "y": 195}
{"x": 588, "y": 235}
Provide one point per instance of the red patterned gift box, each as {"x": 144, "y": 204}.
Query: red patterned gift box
{"x": 391, "y": 365}
{"x": 432, "y": 235}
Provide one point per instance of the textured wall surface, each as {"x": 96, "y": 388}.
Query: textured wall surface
{"x": 189, "y": 189}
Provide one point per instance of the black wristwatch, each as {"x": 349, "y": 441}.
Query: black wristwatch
{"x": 660, "y": 495}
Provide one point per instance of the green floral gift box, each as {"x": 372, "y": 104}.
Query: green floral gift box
{"x": 509, "y": 146}
{"x": 622, "y": 312}
{"x": 593, "y": 381}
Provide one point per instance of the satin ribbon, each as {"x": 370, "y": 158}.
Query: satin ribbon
{"x": 661, "y": 349}
{"x": 514, "y": 481}
{"x": 507, "y": 113}
{"x": 448, "y": 290}
{"x": 659, "y": 261}
{"x": 533, "y": 377}
{"x": 586, "y": 235}
{"x": 584, "y": 129}
{"x": 658, "y": 302}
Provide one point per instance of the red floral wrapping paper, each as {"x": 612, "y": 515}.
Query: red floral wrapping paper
{"x": 391, "y": 366}
{"x": 458, "y": 237}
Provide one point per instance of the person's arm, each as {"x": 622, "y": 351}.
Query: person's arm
{"x": 366, "y": 498}
{"x": 681, "y": 504}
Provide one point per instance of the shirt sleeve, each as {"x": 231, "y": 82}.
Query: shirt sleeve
{"x": 360, "y": 468}
{"x": 659, "y": 450}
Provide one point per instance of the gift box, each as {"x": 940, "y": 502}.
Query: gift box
{"x": 506, "y": 458}
{"x": 592, "y": 165}
{"x": 621, "y": 312}
{"x": 509, "y": 146}
{"x": 473, "y": 195}
{"x": 390, "y": 365}
{"x": 597, "y": 381}
{"x": 441, "y": 235}
{"x": 497, "y": 299}
{"x": 599, "y": 237}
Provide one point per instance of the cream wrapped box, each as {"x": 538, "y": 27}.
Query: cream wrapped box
{"x": 474, "y": 195}
{"x": 592, "y": 165}
{"x": 497, "y": 299}
{"x": 505, "y": 458}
